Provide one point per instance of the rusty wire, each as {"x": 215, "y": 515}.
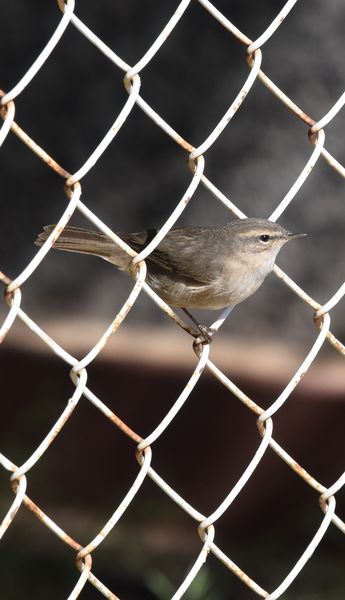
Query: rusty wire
{"x": 320, "y": 314}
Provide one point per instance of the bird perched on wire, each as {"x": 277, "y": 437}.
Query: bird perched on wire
{"x": 192, "y": 267}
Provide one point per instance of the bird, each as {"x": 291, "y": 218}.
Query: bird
{"x": 199, "y": 267}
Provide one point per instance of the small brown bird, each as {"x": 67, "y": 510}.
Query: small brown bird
{"x": 192, "y": 267}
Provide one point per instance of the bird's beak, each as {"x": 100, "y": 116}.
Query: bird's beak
{"x": 293, "y": 236}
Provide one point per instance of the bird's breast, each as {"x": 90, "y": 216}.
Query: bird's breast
{"x": 223, "y": 284}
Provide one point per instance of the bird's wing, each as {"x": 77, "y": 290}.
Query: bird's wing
{"x": 177, "y": 253}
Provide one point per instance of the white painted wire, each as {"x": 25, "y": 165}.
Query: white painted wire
{"x": 43, "y": 56}
{"x": 8, "y": 120}
{"x": 272, "y": 28}
{"x": 206, "y": 524}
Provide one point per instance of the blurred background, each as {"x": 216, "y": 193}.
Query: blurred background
{"x": 136, "y": 184}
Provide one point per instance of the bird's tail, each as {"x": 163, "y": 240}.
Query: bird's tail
{"x": 76, "y": 239}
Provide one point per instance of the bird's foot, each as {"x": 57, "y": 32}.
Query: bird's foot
{"x": 207, "y": 333}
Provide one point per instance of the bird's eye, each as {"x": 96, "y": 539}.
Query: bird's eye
{"x": 264, "y": 238}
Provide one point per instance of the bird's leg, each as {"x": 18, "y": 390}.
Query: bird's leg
{"x": 206, "y": 332}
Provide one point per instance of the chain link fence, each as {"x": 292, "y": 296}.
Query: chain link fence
{"x": 320, "y": 314}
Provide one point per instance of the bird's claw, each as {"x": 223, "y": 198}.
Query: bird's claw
{"x": 207, "y": 333}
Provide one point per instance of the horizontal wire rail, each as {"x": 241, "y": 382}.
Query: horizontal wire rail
{"x": 320, "y": 313}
